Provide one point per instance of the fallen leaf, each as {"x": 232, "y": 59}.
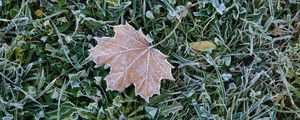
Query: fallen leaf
{"x": 38, "y": 12}
{"x": 276, "y": 32}
{"x": 132, "y": 61}
{"x": 203, "y": 45}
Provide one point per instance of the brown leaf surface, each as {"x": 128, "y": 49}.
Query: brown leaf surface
{"x": 132, "y": 61}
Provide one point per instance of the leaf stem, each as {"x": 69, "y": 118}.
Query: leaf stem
{"x": 177, "y": 25}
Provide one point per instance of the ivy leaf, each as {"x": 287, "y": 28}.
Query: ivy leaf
{"x": 132, "y": 61}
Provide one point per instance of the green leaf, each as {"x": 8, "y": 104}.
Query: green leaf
{"x": 151, "y": 111}
{"x": 219, "y": 7}
{"x": 149, "y": 15}
{"x": 168, "y": 109}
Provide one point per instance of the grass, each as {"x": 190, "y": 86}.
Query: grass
{"x": 253, "y": 74}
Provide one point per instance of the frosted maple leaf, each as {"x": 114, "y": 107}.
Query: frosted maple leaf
{"x": 132, "y": 61}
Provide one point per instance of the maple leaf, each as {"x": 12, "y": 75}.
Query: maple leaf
{"x": 132, "y": 61}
